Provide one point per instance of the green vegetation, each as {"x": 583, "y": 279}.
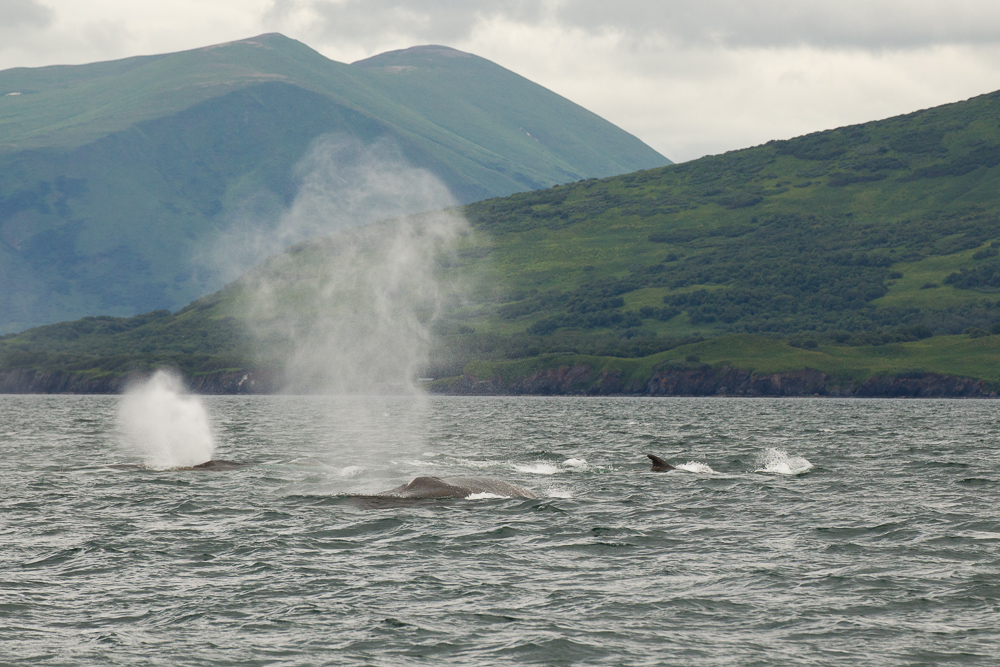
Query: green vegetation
{"x": 965, "y": 356}
{"x": 868, "y": 250}
{"x": 113, "y": 176}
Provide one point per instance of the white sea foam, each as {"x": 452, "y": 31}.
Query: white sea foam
{"x": 779, "y": 462}
{"x": 559, "y": 493}
{"x": 575, "y": 463}
{"x": 163, "y": 424}
{"x": 695, "y": 466}
{"x": 419, "y": 463}
{"x": 351, "y": 471}
{"x": 478, "y": 464}
{"x": 538, "y": 469}
{"x": 483, "y": 496}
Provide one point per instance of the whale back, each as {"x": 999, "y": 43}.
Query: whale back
{"x": 213, "y": 465}
{"x": 217, "y": 464}
{"x": 457, "y": 487}
{"x": 492, "y": 485}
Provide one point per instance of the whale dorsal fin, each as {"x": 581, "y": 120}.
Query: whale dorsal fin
{"x": 659, "y": 465}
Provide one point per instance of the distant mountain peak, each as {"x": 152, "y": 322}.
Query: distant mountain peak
{"x": 267, "y": 40}
{"x": 434, "y": 51}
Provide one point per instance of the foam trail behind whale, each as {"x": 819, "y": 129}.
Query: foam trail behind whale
{"x": 164, "y": 425}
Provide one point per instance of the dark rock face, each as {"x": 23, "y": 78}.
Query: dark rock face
{"x": 251, "y": 382}
{"x": 928, "y": 386}
{"x": 27, "y": 381}
{"x": 734, "y": 382}
{"x": 722, "y": 381}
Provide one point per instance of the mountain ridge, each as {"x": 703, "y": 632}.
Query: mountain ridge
{"x": 130, "y": 167}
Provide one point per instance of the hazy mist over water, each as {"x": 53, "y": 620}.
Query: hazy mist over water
{"x": 799, "y": 531}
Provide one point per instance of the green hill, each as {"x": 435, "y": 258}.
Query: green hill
{"x": 867, "y": 251}
{"x": 114, "y": 176}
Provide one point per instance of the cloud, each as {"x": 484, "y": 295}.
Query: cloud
{"x": 692, "y": 99}
{"x": 372, "y": 21}
{"x": 848, "y": 24}
{"x": 18, "y": 15}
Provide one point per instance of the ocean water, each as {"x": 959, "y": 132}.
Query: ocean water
{"x": 806, "y": 532}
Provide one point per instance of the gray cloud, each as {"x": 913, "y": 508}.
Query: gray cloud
{"x": 847, "y": 24}
{"x": 20, "y": 14}
{"x": 436, "y": 20}
{"x": 865, "y": 24}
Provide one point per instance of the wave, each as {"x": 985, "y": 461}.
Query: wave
{"x": 570, "y": 464}
{"x": 538, "y": 469}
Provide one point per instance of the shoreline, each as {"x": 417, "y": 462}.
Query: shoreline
{"x": 578, "y": 380}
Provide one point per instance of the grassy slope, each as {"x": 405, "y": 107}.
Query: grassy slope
{"x": 841, "y": 251}
{"x": 945, "y": 355}
{"x": 123, "y": 169}
{"x": 464, "y": 93}
{"x": 832, "y": 232}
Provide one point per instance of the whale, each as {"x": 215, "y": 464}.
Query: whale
{"x": 659, "y": 465}
{"x": 431, "y": 489}
{"x": 212, "y": 465}
{"x": 456, "y": 487}
{"x": 217, "y": 464}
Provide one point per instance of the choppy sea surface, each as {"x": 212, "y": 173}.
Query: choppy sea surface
{"x": 806, "y": 532}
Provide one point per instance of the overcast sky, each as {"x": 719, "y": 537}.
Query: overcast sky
{"x": 689, "y": 77}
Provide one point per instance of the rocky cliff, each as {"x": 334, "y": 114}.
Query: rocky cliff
{"x": 26, "y": 381}
{"x": 716, "y": 381}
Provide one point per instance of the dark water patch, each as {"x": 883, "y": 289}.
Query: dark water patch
{"x": 881, "y": 529}
{"x": 935, "y": 463}
{"x": 931, "y": 657}
{"x": 977, "y": 481}
{"x": 58, "y": 558}
{"x": 155, "y": 478}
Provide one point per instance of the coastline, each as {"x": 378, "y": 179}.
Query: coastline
{"x": 576, "y": 380}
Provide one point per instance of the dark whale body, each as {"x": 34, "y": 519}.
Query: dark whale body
{"x": 213, "y": 465}
{"x": 217, "y": 464}
{"x": 457, "y": 487}
{"x": 659, "y": 465}
{"x": 430, "y": 489}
